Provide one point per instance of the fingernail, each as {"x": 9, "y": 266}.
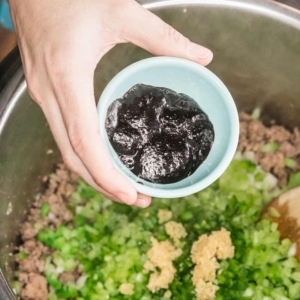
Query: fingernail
{"x": 199, "y": 51}
{"x": 124, "y": 198}
{"x": 140, "y": 203}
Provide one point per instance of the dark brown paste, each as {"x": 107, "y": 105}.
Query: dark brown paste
{"x": 161, "y": 136}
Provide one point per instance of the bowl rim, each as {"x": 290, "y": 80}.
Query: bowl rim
{"x": 227, "y": 99}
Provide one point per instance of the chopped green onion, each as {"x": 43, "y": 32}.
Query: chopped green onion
{"x": 22, "y": 255}
{"x": 296, "y": 276}
{"x": 290, "y": 163}
{"x": 273, "y": 212}
{"x": 256, "y": 113}
{"x": 270, "y": 147}
{"x": 45, "y": 209}
{"x": 294, "y": 180}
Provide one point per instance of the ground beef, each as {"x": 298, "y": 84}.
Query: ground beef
{"x": 254, "y": 135}
{"x": 60, "y": 186}
{"x": 67, "y": 277}
{"x": 36, "y": 288}
{"x": 27, "y": 230}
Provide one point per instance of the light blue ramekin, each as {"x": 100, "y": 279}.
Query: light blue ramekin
{"x": 199, "y": 83}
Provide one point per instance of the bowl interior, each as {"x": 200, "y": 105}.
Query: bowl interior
{"x": 212, "y": 96}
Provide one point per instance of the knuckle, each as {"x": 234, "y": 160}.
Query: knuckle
{"x": 99, "y": 182}
{"x": 173, "y": 35}
{"x": 56, "y": 64}
{"x": 54, "y": 54}
{"x": 77, "y": 140}
{"x": 102, "y": 179}
{"x": 58, "y": 73}
{"x": 33, "y": 89}
{"x": 69, "y": 161}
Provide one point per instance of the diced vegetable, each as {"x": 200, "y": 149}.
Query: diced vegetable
{"x": 256, "y": 113}
{"x": 270, "y": 147}
{"x": 294, "y": 180}
{"x": 45, "y": 209}
{"x": 290, "y": 163}
{"x": 108, "y": 242}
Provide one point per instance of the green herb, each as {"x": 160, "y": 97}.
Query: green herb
{"x": 294, "y": 180}
{"x": 22, "y": 255}
{"x": 270, "y": 147}
{"x": 273, "y": 212}
{"x": 290, "y": 163}
{"x": 256, "y": 113}
{"x": 45, "y": 209}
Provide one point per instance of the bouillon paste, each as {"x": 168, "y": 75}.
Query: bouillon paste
{"x": 158, "y": 134}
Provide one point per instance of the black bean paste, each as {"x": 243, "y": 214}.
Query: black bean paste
{"x": 161, "y": 136}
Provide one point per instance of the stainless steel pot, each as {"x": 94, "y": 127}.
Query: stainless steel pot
{"x": 256, "y": 47}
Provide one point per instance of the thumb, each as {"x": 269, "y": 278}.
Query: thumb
{"x": 148, "y": 31}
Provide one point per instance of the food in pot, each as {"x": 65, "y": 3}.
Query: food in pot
{"x": 210, "y": 245}
{"x": 159, "y": 135}
{"x": 274, "y": 148}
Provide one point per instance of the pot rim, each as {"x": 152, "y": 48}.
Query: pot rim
{"x": 16, "y": 85}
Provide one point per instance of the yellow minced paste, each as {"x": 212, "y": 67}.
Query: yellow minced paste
{"x": 126, "y": 288}
{"x": 167, "y": 294}
{"x": 164, "y": 216}
{"x": 160, "y": 262}
{"x": 176, "y": 231}
{"x": 204, "y": 254}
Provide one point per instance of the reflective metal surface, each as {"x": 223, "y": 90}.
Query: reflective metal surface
{"x": 256, "y": 47}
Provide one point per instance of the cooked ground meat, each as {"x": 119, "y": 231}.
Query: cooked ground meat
{"x": 31, "y": 267}
{"x": 254, "y": 135}
{"x": 67, "y": 277}
{"x": 35, "y": 288}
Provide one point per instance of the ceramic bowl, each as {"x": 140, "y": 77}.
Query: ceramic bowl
{"x": 203, "y": 86}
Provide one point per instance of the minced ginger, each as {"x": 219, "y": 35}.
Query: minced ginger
{"x": 206, "y": 269}
{"x": 126, "y": 288}
{"x": 161, "y": 256}
{"x": 164, "y": 216}
{"x": 204, "y": 253}
{"x": 176, "y": 231}
{"x": 206, "y": 290}
{"x": 167, "y": 294}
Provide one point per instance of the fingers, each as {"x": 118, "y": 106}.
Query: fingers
{"x": 151, "y": 33}
{"x": 54, "y": 118}
{"x": 73, "y": 162}
{"x": 142, "y": 201}
{"x": 74, "y": 92}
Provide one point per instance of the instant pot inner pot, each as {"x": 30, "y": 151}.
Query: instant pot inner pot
{"x": 256, "y": 47}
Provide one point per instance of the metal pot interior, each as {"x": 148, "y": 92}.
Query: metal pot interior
{"x": 256, "y": 47}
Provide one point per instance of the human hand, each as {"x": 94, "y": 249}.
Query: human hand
{"x": 61, "y": 42}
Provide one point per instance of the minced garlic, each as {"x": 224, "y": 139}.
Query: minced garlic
{"x": 126, "y": 288}
{"x": 167, "y": 294}
{"x": 160, "y": 262}
{"x": 164, "y": 216}
{"x": 204, "y": 253}
{"x": 225, "y": 249}
{"x": 176, "y": 231}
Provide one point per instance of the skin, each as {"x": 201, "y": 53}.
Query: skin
{"x": 61, "y": 42}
